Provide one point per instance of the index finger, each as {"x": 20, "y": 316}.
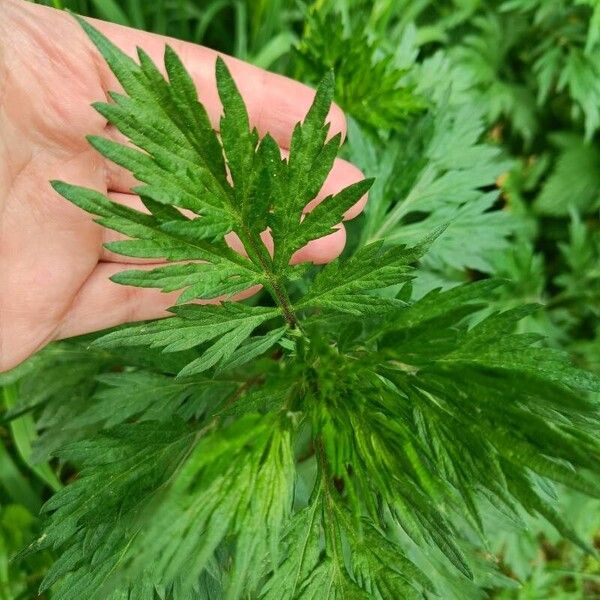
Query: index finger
{"x": 275, "y": 103}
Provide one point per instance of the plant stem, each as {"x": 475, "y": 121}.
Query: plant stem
{"x": 280, "y": 295}
{"x": 257, "y": 252}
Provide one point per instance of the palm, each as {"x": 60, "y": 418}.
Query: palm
{"x": 49, "y": 248}
{"x": 53, "y": 268}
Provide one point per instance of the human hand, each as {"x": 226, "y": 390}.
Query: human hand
{"x": 54, "y": 270}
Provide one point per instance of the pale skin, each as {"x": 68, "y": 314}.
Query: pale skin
{"x": 54, "y": 270}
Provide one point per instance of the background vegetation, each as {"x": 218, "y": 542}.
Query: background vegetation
{"x": 479, "y": 113}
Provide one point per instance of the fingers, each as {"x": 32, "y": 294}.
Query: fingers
{"x": 275, "y": 103}
{"x": 323, "y": 250}
{"x": 341, "y": 176}
{"x": 120, "y": 182}
{"x": 102, "y": 303}
{"x": 319, "y": 251}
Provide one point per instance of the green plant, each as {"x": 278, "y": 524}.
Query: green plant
{"x": 20, "y": 503}
{"x": 305, "y": 446}
{"x": 370, "y": 84}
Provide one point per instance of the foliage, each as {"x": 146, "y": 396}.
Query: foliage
{"x": 330, "y": 408}
{"x": 369, "y": 84}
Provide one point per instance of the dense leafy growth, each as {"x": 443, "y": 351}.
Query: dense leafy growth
{"x": 374, "y": 428}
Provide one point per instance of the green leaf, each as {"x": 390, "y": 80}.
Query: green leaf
{"x": 253, "y": 347}
{"x": 448, "y": 180}
{"x": 233, "y": 482}
{"x": 345, "y": 285}
{"x": 369, "y": 82}
{"x": 299, "y": 179}
{"x": 205, "y": 281}
{"x": 24, "y": 434}
{"x": 194, "y": 325}
{"x": 302, "y": 549}
{"x": 154, "y": 238}
{"x": 575, "y": 180}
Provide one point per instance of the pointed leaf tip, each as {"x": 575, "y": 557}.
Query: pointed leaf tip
{"x": 326, "y": 87}
{"x": 221, "y": 68}
{"x": 59, "y": 186}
